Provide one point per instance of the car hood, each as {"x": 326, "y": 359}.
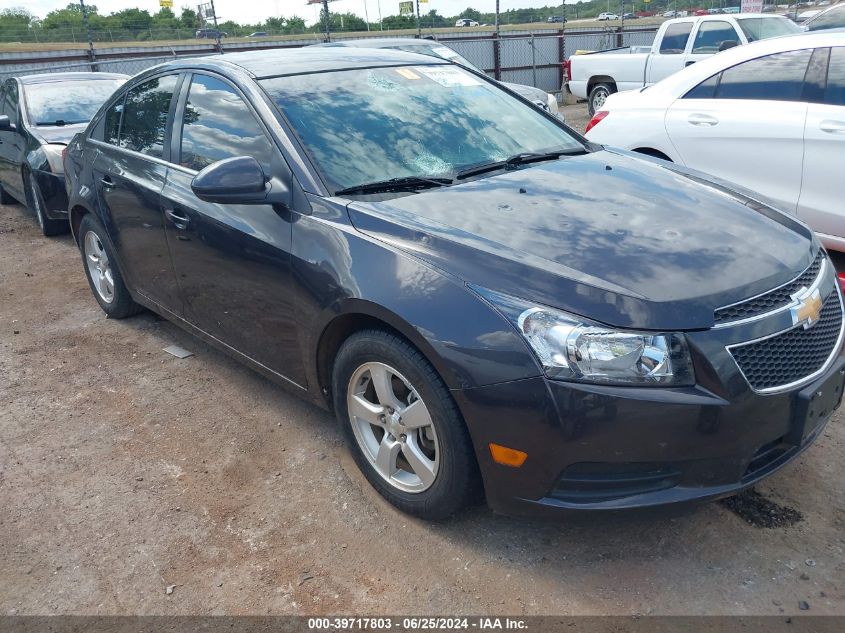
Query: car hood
{"x": 57, "y": 133}
{"x": 626, "y": 241}
{"x": 529, "y": 92}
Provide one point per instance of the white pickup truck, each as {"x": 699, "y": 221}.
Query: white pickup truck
{"x": 678, "y": 43}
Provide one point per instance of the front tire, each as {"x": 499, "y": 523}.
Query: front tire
{"x": 598, "y": 95}
{"x": 35, "y": 202}
{"x": 403, "y": 428}
{"x": 102, "y": 271}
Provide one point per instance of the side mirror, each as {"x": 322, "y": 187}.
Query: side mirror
{"x": 5, "y": 123}
{"x": 239, "y": 180}
{"x": 727, "y": 44}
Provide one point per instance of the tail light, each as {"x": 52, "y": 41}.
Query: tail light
{"x": 840, "y": 277}
{"x": 597, "y": 117}
{"x": 64, "y": 153}
{"x": 567, "y": 67}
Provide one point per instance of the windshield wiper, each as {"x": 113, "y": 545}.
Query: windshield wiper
{"x": 59, "y": 123}
{"x": 523, "y": 158}
{"x": 407, "y": 183}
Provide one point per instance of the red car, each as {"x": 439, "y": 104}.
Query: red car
{"x": 701, "y": 12}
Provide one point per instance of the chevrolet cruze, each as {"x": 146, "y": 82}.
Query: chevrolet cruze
{"x": 489, "y": 303}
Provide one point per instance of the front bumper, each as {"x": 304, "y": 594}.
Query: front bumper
{"x": 53, "y": 191}
{"x": 593, "y": 447}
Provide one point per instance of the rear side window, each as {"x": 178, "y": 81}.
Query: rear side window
{"x": 217, "y": 124}
{"x": 834, "y": 93}
{"x": 778, "y": 77}
{"x": 675, "y": 38}
{"x": 111, "y": 122}
{"x": 145, "y": 116}
{"x": 711, "y": 35}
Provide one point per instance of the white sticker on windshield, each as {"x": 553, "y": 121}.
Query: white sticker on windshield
{"x": 448, "y": 76}
{"x": 445, "y": 52}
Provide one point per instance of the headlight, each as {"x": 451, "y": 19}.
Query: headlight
{"x": 552, "y": 100}
{"x": 54, "y": 157}
{"x": 572, "y": 348}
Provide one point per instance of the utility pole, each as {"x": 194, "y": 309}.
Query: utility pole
{"x": 419, "y": 26}
{"x": 326, "y": 20}
{"x": 92, "y": 58}
{"x": 366, "y": 16}
{"x": 497, "y": 18}
{"x": 216, "y": 30}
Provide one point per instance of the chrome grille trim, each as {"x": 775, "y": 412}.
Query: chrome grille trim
{"x": 823, "y": 266}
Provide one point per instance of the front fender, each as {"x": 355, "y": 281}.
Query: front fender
{"x": 340, "y": 271}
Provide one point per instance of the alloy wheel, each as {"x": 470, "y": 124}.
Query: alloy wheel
{"x": 99, "y": 267}
{"x": 393, "y": 427}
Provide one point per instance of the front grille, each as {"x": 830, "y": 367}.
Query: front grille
{"x": 777, "y": 298}
{"x": 789, "y": 357}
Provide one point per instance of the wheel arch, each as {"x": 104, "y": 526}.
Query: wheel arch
{"x": 600, "y": 79}
{"x": 358, "y": 315}
{"x": 653, "y": 152}
{"x": 75, "y": 215}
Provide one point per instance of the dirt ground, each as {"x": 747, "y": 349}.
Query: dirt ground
{"x": 125, "y": 471}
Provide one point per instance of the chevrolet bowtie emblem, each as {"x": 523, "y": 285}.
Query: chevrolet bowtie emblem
{"x": 807, "y": 307}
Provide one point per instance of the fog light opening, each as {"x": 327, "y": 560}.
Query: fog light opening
{"x": 507, "y": 456}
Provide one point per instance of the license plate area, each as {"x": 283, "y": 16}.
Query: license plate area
{"x": 815, "y": 404}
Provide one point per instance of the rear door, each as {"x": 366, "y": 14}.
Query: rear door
{"x": 746, "y": 125}
{"x": 671, "y": 56}
{"x": 129, "y": 173}
{"x": 821, "y": 204}
{"x": 233, "y": 262}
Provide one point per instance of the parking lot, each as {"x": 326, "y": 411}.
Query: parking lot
{"x": 135, "y": 482}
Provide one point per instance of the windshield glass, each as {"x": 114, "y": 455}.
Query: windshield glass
{"x": 764, "y": 28}
{"x": 438, "y": 50}
{"x": 67, "y": 102}
{"x": 374, "y": 124}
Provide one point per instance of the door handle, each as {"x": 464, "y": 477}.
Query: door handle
{"x": 832, "y": 127}
{"x": 702, "y": 119}
{"x": 107, "y": 182}
{"x": 179, "y": 219}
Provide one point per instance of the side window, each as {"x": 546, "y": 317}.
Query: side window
{"x": 111, "y": 122}
{"x": 778, "y": 77}
{"x": 675, "y": 38}
{"x": 217, "y": 124}
{"x": 10, "y": 102}
{"x": 145, "y": 115}
{"x": 705, "y": 90}
{"x": 711, "y": 35}
{"x": 834, "y": 93}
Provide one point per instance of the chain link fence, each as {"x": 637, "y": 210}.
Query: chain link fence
{"x": 533, "y": 58}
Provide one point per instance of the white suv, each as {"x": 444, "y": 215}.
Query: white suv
{"x": 607, "y": 16}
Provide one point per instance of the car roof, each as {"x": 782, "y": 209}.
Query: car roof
{"x": 282, "y": 62}
{"x": 59, "y": 77}
{"x": 380, "y": 42}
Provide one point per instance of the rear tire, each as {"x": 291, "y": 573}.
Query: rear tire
{"x": 35, "y": 202}
{"x": 598, "y": 95}
{"x": 5, "y": 198}
{"x": 402, "y": 426}
{"x": 102, "y": 271}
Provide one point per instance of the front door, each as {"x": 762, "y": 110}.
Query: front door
{"x": 129, "y": 174}
{"x": 233, "y": 262}
{"x": 672, "y": 54}
{"x": 746, "y": 125}
{"x": 12, "y": 143}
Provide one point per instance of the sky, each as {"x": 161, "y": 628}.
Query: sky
{"x": 255, "y": 11}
